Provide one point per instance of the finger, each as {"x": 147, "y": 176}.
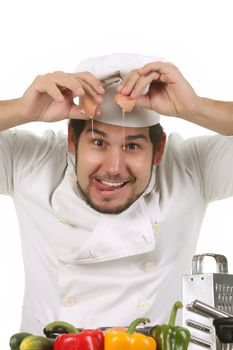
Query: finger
{"x": 168, "y": 72}
{"x": 128, "y": 83}
{"x": 91, "y": 80}
{"x": 89, "y": 90}
{"x": 77, "y": 113}
{"x": 157, "y": 66}
{"x": 77, "y": 86}
{"x": 52, "y": 90}
{"x": 67, "y": 81}
{"x": 122, "y": 83}
{"x": 144, "y": 82}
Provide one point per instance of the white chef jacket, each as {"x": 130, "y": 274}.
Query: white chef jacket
{"x": 93, "y": 269}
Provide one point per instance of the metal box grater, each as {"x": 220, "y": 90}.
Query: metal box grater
{"x": 214, "y": 289}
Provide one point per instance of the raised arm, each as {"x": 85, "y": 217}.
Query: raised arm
{"x": 214, "y": 115}
{"x": 50, "y": 98}
{"x": 170, "y": 94}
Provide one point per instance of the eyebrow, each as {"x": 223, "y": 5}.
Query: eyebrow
{"x": 96, "y": 131}
{"x": 136, "y": 137}
{"x": 128, "y": 138}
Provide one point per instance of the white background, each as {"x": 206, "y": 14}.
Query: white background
{"x": 41, "y": 36}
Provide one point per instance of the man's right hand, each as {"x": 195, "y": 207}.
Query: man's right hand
{"x": 50, "y": 97}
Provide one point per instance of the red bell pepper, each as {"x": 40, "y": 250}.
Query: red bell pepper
{"x": 89, "y": 339}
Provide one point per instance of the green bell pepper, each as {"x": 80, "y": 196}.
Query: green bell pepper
{"x": 169, "y": 336}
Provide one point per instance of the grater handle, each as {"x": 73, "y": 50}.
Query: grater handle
{"x": 207, "y": 310}
{"x": 197, "y": 263}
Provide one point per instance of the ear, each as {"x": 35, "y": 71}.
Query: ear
{"x": 71, "y": 140}
{"x": 159, "y": 151}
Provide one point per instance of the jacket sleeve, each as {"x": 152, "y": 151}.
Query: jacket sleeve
{"x": 23, "y": 154}
{"x": 6, "y": 162}
{"x": 210, "y": 160}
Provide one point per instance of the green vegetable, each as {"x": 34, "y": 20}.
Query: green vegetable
{"x": 36, "y": 342}
{"x": 59, "y": 327}
{"x": 16, "y": 340}
{"x": 169, "y": 336}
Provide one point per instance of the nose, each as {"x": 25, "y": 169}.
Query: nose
{"x": 115, "y": 162}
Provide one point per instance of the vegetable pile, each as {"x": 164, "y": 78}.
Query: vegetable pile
{"x": 64, "y": 336}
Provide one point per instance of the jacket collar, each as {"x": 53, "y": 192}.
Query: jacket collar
{"x": 112, "y": 236}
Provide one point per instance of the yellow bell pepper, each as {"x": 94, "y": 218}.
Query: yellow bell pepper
{"x": 120, "y": 340}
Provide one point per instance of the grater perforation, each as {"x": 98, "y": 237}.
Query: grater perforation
{"x": 214, "y": 289}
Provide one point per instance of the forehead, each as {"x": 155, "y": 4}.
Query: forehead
{"x": 110, "y": 130}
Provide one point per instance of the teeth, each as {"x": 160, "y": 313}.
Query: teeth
{"x": 112, "y": 184}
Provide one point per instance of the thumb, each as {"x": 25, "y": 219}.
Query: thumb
{"x": 143, "y": 102}
{"x": 76, "y": 113}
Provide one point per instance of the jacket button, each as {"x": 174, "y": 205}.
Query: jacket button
{"x": 73, "y": 177}
{"x": 63, "y": 221}
{"x": 143, "y": 305}
{"x": 149, "y": 266}
{"x": 69, "y": 302}
{"x": 156, "y": 228}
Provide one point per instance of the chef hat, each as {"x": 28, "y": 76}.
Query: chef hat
{"x": 110, "y": 69}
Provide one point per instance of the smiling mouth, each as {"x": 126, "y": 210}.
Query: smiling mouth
{"x": 102, "y": 185}
{"x": 113, "y": 184}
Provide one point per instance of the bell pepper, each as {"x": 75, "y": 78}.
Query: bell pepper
{"x": 169, "y": 336}
{"x": 89, "y": 339}
{"x": 53, "y": 329}
{"x": 115, "y": 340}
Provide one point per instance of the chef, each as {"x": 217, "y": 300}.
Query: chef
{"x": 110, "y": 215}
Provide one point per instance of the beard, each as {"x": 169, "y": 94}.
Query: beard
{"x": 101, "y": 208}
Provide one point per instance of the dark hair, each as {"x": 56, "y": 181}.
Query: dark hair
{"x": 155, "y": 131}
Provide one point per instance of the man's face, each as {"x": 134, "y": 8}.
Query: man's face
{"x": 110, "y": 177}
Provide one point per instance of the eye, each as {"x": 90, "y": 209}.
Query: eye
{"x": 132, "y": 146}
{"x": 98, "y": 142}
